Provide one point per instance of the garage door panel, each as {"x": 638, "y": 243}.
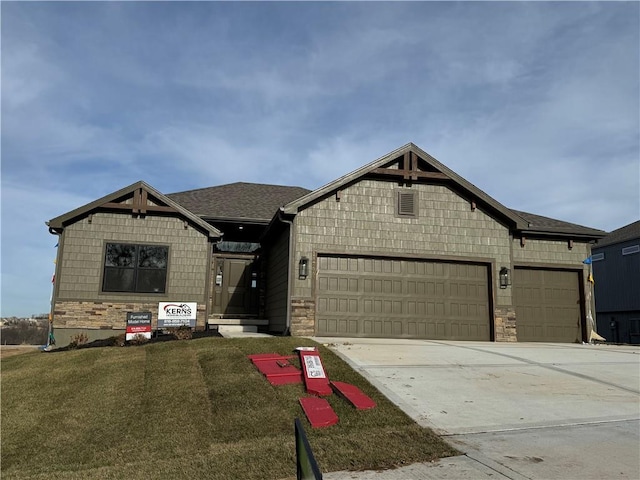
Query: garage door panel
{"x": 402, "y": 298}
{"x": 547, "y": 304}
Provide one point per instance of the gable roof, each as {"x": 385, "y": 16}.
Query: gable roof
{"x": 249, "y": 202}
{"x": 410, "y": 163}
{"x": 139, "y": 198}
{"x": 434, "y": 169}
{"x": 622, "y": 234}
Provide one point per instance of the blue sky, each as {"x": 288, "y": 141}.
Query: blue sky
{"x": 535, "y": 103}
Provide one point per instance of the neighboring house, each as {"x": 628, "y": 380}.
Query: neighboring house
{"x": 401, "y": 247}
{"x": 616, "y": 268}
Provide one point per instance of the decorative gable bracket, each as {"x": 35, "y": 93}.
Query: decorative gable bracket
{"x": 408, "y": 170}
{"x": 139, "y": 204}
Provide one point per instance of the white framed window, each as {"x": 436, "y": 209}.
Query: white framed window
{"x": 596, "y": 257}
{"x": 631, "y": 250}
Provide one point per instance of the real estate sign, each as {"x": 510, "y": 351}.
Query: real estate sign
{"x": 177, "y": 314}
{"x": 138, "y": 323}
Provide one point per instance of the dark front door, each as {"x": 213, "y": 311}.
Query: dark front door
{"x": 235, "y": 287}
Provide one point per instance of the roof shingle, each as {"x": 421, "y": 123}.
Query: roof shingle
{"x": 538, "y": 223}
{"x": 622, "y": 234}
{"x": 240, "y": 200}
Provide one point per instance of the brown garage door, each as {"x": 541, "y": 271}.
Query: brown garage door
{"x": 379, "y": 297}
{"x": 547, "y": 305}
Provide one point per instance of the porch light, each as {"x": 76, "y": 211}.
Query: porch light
{"x": 505, "y": 277}
{"x": 303, "y": 268}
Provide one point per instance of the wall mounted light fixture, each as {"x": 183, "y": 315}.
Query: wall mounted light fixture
{"x": 303, "y": 268}
{"x": 505, "y": 277}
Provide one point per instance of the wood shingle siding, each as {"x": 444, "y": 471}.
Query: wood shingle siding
{"x": 79, "y": 277}
{"x": 364, "y": 222}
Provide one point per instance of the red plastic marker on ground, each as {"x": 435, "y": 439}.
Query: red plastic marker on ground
{"x": 315, "y": 378}
{"x": 319, "y": 412}
{"x": 276, "y": 368}
{"x": 354, "y": 395}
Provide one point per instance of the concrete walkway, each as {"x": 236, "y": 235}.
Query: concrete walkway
{"x": 516, "y": 411}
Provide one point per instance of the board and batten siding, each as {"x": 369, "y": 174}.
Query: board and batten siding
{"x": 618, "y": 278}
{"x": 277, "y": 273}
{"x": 79, "y": 275}
{"x": 364, "y": 222}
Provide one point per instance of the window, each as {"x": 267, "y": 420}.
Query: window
{"x": 596, "y": 257}
{"x": 407, "y": 203}
{"x": 630, "y": 250}
{"x": 135, "y": 268}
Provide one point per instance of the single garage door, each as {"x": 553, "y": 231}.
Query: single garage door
{"x": 382, "y": 297}
{"x": 547, "y": 305}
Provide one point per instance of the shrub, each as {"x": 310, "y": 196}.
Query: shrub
{"x": 138, "y": 339}
{"x": 78, "y": 339}
{"x": 120, "y": 340}
{"x": 183, "y": 332}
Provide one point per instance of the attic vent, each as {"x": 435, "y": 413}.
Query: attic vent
{"x": 407, "y": 203}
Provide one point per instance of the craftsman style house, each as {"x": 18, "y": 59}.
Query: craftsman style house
{"x": 401, "y": 247}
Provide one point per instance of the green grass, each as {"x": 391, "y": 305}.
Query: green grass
{"x": 187, "y": 409}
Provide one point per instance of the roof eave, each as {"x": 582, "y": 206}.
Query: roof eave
{"x": 58, "y": 223}
{"x": 550, "y": 232}
{"x": 252, "y": 221}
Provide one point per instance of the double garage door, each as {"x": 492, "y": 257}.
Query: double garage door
{"x": 406, "y": 298}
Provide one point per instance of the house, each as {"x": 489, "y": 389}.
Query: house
{"x": 616, "y": 268}
{"x": 401, "y": 247}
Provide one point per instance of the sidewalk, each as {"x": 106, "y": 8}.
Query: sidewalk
{"x": 455, "y": 468}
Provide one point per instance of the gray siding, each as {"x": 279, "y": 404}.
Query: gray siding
{"x": 549, "y": 252}
{"x": 277, "y": 275}
{"x": 364, "y": 222}
{"x": 617, "y": 278}
{"x": 80, "y": 273}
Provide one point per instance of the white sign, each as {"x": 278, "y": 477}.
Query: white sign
{"x": 314, "y": 366}
{"x": 176, "y": 314}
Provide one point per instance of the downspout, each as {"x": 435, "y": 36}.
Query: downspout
{"x": 287, "y": 330}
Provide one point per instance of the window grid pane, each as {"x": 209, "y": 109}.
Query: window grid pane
{"x": 135, "y": 268}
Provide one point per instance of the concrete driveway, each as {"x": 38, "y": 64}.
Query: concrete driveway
{"x": 526, "y": 410}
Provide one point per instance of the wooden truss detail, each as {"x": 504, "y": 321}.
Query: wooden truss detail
{"x": 140, "y": 204}
{"x": 409, "y": 170}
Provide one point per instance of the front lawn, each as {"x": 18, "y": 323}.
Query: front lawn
{"x": 186, "y": 409}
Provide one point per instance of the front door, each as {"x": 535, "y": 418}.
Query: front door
{"x": 235, "y": 289}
